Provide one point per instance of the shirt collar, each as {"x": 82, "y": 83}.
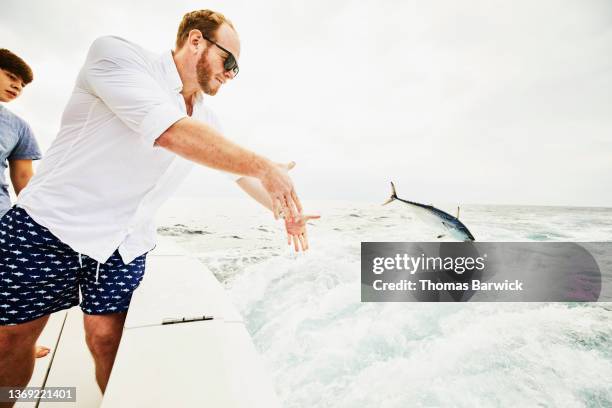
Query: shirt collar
{"x": 170, "y": 72}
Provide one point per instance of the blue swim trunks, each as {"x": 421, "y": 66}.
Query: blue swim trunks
{"x": 40, "y": 275}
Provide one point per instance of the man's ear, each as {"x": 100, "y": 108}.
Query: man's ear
{"x": 195, "y": 40}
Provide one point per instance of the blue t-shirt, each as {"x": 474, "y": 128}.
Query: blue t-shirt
{"x": 17, "y": 142}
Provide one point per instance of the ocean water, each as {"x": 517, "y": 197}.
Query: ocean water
{"x": 324, "y": 348}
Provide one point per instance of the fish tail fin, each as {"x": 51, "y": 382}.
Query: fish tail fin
{"x": 393, "y": 195}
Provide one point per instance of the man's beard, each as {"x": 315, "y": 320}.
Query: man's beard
{"x": 205, "y": 76}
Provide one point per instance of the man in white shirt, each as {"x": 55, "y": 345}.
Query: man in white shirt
{"x": 132, "y": 128}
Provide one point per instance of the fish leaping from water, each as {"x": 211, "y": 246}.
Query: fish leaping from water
{"x": 436, "y": 217}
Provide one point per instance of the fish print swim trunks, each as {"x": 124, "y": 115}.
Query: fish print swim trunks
{"x": 40, "y": 275}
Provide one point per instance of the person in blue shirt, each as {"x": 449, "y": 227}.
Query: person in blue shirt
{"x": 18, "y": 146}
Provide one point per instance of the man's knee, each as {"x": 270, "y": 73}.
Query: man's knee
{"x": 20, "y": 338}
{"x": 101, "y": 343}
{"x": 103, "y": 335}
{"x": 10, "y": 341}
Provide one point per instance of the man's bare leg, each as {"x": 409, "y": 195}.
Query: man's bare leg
{"x": 17, "y": 353}
{"x": 103, "y": 333}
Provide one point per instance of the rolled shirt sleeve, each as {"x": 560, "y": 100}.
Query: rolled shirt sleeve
{"x": 124, "y": 81}
{"x": 26, "y": 147}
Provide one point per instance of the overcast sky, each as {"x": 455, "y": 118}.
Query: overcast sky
{"x": 471, "y": 101}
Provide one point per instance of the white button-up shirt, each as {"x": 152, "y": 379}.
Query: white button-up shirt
{"x": 102, "y": 180}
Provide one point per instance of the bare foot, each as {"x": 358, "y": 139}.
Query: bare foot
{"x": 42, "y": 351}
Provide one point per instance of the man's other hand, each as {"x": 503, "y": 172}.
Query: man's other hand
{"x": 296, "y": 231}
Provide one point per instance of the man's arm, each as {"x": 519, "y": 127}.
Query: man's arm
{"x": 21, "y": 172}
{"x": 201, "y": 143}
{"x": 253, "y": 187}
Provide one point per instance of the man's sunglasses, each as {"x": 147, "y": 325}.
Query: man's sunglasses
{"x": 230, "y": 63}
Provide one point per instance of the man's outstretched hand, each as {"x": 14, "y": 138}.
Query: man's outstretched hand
{"x": 279, "y": 186}
{"x": 296, "y": 231}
